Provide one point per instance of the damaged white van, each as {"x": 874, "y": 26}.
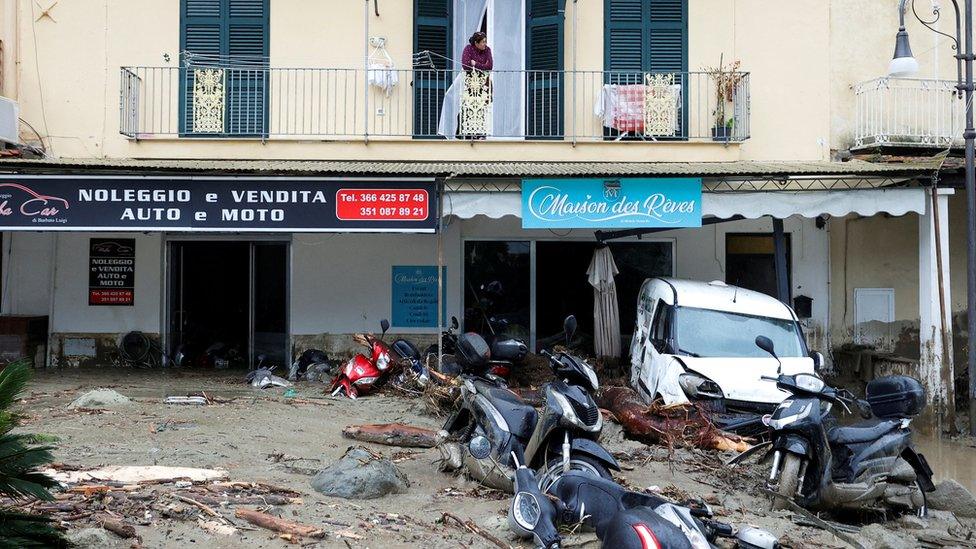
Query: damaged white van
{"x": 696, "y": 341}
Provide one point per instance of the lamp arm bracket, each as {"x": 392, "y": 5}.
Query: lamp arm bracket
{"x": 936, "y": 14}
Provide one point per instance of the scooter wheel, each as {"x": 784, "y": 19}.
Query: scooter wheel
{"x": 789, "y": 481}
{"x": 583, "y": 464}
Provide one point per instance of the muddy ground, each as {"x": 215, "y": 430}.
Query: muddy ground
{"x": 265, "y": 436}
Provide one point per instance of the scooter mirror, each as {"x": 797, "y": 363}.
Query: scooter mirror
{"x": 569, "y": 327}
{"x": 765, "y": 344}
{"x": 454, "y": 322}
{"x": 384, "y": 325}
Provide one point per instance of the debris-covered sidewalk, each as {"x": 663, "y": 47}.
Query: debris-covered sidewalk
{"x": 242, "y": 467}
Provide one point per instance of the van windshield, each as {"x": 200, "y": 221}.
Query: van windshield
{"x": 709, "y": 333}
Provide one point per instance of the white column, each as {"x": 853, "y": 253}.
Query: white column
{"x": 935, "y": 372}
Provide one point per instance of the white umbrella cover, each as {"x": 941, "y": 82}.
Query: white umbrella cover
{"x": 606, "y": 315}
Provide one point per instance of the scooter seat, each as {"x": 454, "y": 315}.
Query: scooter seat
{"x": 519, "y": 416}
{"x": 866, "y": 431}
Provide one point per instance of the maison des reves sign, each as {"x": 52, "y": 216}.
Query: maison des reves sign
{"x": 269, "y": 204}
{"x": 611, "y": 203}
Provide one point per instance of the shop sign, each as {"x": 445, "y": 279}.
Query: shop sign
{"x": 111, "y": 271}
{"x": 415, "y": 296}
{"x": 611, "y": 203}
{"x": 83, "y": 203}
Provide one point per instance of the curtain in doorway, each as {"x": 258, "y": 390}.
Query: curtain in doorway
{"x": 506, "y": 38}
{"x": 606, "y": 315}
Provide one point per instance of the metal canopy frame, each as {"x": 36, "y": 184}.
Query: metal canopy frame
{"x": 717, "y": 185}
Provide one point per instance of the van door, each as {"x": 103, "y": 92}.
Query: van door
{"x": 654, "y": 352}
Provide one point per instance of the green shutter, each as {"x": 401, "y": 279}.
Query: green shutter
{"x": 645, "y": 36}
{"x": 432, "y": 32}
{"x": 545, "y": 22}
{"x": 235, "y": 34}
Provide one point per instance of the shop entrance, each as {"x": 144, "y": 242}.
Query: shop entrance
{"x": 562, "y": 287}
{"x": 228, "y": 303}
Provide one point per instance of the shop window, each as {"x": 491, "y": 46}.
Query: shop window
{"x": 562, "y": 287}
{"x": 750, "y": 262}
{"x": 497, "y": 282}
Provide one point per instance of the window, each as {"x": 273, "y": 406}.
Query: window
{"x": 750, "y": 262}
{"x": 230, "y": 39}
{"x": 710, "y": 333}
{"x": 660, "y": 325}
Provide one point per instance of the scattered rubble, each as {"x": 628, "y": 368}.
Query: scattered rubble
{"x": 360, "y": 474}
{"x": 100, "y": 398}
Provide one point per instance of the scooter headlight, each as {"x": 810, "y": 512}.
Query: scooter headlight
{"x": 591, "y": 374}
{"x": 569, "y": 414}
{"x": 809, "y": 383}
{"x": 382, "y": 361}
{"x": 526, "y": 510}
{"x": 696, "y": 386}
{"x": 782, "y": 422}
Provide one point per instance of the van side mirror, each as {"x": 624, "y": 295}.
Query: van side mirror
{"x": 569, "y": 327}
{"x": 818, "y": 360}
{"x": 384, "y": 325}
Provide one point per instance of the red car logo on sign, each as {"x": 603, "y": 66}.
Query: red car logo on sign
{"x": 36, "y": 205}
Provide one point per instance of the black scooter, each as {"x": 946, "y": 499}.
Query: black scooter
{"x": 492, "y": 421}
{"x": 820, "y": 465}
{"x": 622, "y": 519}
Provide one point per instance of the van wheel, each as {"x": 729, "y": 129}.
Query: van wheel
{"x": 584, "y": 464}
{"x": 789, "y": 481}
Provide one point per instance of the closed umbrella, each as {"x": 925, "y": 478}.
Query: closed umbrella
{"x": 606, "y": 315}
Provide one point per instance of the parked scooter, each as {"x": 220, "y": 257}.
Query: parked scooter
{"x": 822, "y": 466}
{"x": 493, "y": 421}
{"x": 622, "y": 519}
{"x": 361, "y": 374}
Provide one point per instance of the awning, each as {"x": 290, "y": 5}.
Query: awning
{"x": 780, "y": 204}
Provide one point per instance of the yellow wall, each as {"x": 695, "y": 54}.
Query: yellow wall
{"x": 83, "y": 43}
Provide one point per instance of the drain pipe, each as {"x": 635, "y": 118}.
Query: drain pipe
{"x": 53, "y": 287}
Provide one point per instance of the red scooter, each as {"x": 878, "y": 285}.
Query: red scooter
{"x": 361, "y": 374}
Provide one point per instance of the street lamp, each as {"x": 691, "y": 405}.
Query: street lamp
{"x": 902, "y": 64}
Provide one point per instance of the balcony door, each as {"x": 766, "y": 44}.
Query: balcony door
{"x": 643, "y": 37}
{"x": 526, "y": 82}
{"x": 224, "y": 67}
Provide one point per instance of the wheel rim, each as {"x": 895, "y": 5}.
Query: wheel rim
{"x": 553, "y": 472}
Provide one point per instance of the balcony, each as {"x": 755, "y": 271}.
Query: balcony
{"x": 907, "y": 113}
{"x": 400, "y": 104}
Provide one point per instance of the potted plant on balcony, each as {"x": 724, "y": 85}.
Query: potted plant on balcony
{"x": 726, "y": 80}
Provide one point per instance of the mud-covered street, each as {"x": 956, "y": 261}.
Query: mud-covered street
{"x": 265, "y": 437}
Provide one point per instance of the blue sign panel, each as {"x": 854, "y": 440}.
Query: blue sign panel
{"x": 415, "y": 296}
{"x": 611, "y": 203}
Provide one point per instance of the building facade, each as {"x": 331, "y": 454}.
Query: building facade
{"x": 771, "y": 109}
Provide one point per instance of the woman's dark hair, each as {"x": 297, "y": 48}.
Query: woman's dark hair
{"x": 477, "y": 37}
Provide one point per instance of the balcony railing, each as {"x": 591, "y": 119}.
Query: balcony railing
{"x": 351, "y": 104}
{"x": 907, "y": 112}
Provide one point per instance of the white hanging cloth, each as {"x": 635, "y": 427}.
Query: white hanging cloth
{"x": 606, "y": 314}
{"x": 381, "y": 72}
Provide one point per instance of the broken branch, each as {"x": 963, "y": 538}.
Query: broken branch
{"x": 392, "y": 434}
{"x": 275, "y": 524}
{"x": 474, "y": 529}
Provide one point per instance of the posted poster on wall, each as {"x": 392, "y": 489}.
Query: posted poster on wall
{"x": 415, "y": 296}
{"x": 112, "y": 271}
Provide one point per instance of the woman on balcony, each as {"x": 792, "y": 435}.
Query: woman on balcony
{"x": 477, "y": 63}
